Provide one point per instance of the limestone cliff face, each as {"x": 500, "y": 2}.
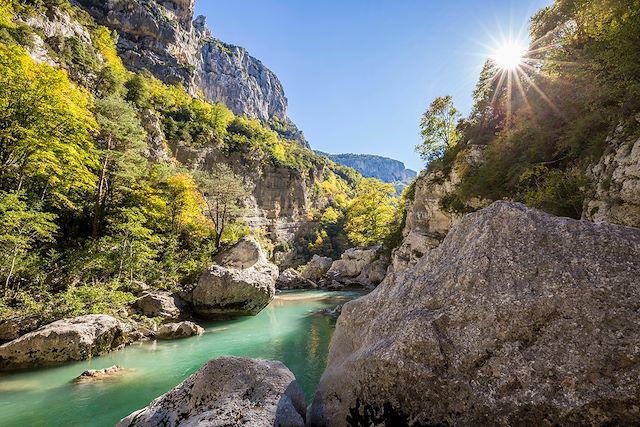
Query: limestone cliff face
{"x": 161, "y": 36}
{"x": 427, "y": 222}
{"x": 616, "y": 179}
{"x": 279, "y": 201}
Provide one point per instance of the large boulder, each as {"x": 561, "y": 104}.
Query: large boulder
{"x": 160, "y": 304}
{"x": 517, "y": 318}
{"x": 317, "y": 268}
{"x": 226, "y": 292}
{"x": 228, "y": 391}
{"x": 244, "y": 254}
{"x": 353, "y": 261}
{"x": 291, "y": 279}
{"x": 14, "y": 327}
{"x": 77, "y": 338}
{"x": 357, "y": 266}
{"x": 242, "y": 286}
{"x": 171, "y": 331}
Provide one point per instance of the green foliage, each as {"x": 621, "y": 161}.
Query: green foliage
{"x": 438, "y": 128}
{"x": 372, "y": 213}
{"x": 121, "y": 140}
{"x": 46, "y": 139}
{"x": 542, "y": 137}
{"x": 223, "y": 192}
{"x": 556, "y": 191}
{"x": 21, "y": 229}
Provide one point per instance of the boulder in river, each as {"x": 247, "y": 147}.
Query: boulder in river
{"x": 316, "y": 269}
{"x": 160, "y": 304}
{"x": 291, "y": 279}
{"x": 92, "y": 375}
{"x": 77, "y": 338}
{"x": 228, "y": 391}
{"x": 357, "y": 266}
{"x": 243, "y": 286}
{"x": 171, "y": 331}
{"x": 517, "y": 318}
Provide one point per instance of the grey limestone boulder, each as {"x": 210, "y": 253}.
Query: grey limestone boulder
{"x": 228, "y": 391}
{"x": 517, "y": 318}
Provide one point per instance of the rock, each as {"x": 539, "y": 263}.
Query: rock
{"x": 160, "y": 304}
{"x": 333, "y": 312}
{"x": 15, "y": 327}
{"x": 171, "y": 331}
{"x": 373, "y": 274}
{"x": 100, "y": 374}
{"x": 226, "y": 292}
{"x": 242, "y": 286}
{"x": 77, "y": 338}
{"x": 291, "y": 279}
{"x": 353, "y": 262}
{"x": 156, "y": 141}
{"x": 317, "y": 268}
{"x": 357, "y": 266}
{"x": 159, "y": 36}
{"x": 244, "y": 254}
{"x": 228, "y": 391}
{"x": 427, "y": 223}
{"x": 517, "y": 318}
{"x": 616, "y": 180}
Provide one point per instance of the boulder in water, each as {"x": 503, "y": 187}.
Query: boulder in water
{"x": 291, "y": 279}
{"x": 244, "y": 254}
{"x": 243, "y": 286}
{"x": 15, "y": 327}
{"x": 160, "y": 304}
{"x": 317, "y": 268}
{"x": 357, "y": 266}
{"x": 92, "y": 375}
{"x": 228, "y": 391}
{"x": 77, "y": 338}
{"x": 171, "y": 331}
{"x": 517, "y": 318}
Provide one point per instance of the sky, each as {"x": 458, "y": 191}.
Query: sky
{"x": 358, "y": 74}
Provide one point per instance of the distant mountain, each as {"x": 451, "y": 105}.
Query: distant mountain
{"x": 371, "y": 166}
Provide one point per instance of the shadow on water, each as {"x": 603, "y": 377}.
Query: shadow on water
{"x": 291, "y": 329}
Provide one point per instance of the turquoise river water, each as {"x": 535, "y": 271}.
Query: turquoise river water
{"x": 291, "y": 329}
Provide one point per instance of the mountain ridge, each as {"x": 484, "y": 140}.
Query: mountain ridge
{"x": 383, "y": 168}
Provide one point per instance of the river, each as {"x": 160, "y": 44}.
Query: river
{"x": 291, "y": 329}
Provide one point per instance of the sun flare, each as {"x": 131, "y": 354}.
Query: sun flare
{"x": 510, "y": 55}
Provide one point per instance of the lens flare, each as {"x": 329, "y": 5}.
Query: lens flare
{"x": 510, "y": 55}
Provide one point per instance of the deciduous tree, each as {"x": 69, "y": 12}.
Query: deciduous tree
{"x": 438, "y": 128}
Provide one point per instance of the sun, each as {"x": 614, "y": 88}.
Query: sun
{"x": 509, "y": 55}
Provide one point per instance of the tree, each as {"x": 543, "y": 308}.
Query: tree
{"x": 122, "y": 140}
{"x": 20, "y": 229}
{"x": 223, "y": 193}
{"x": 46, "y": 127}
{"x": 438, "y": 128}
{"x": 135, "y": 244}
{"x": 184, "y": 202}
{"x": 372, "y": 213}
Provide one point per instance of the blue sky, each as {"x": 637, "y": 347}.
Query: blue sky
{"x": 358, "y": 74}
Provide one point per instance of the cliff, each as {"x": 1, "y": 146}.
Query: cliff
{"x": 162, "y": 37}
{"x": 372, "y": 166}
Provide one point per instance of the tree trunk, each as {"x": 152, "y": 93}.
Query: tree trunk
{"x": 98, "y": 208}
